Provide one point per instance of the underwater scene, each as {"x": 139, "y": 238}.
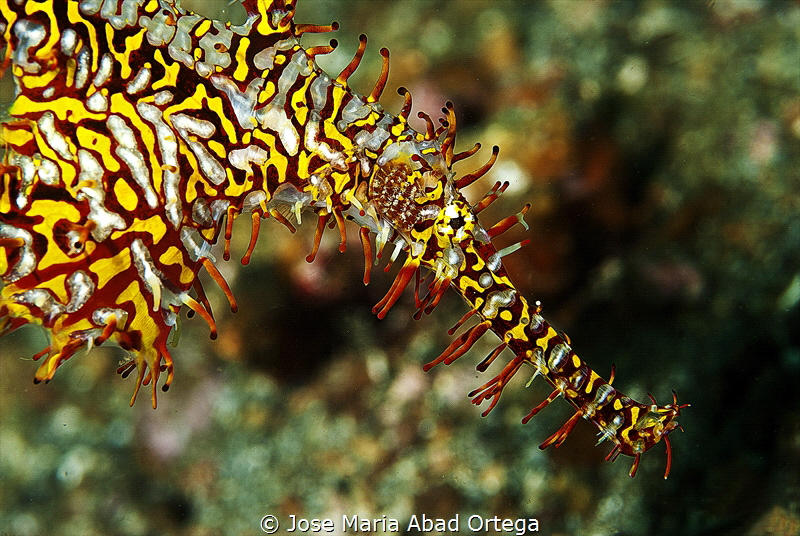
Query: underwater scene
{"x": 656, "y": 146}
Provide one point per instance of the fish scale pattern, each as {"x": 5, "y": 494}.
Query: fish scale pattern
{"x": 140, "y": 131}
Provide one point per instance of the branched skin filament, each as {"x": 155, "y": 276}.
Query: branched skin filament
{"x": 140, "y": 132}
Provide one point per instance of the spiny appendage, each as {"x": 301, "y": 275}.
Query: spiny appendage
{"x": 656, "y": 423}
{"x": 414, "y": 192}
{"x": 454, "y": 245}
{"x": 411, "y": 200}
{"x": 633, "y": 427}
{"x": 145, "y": 342}
{"x": 72, "y": 332}
{"x": 66, "y": 340}
{"x": 150, "y": 356}
{"x": 149, "y": 363}
{"x": 145, "y": 296}
{"x": 138, "y": 322}
{"x": 277, "y": 14}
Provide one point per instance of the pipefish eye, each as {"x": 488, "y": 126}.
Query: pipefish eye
{"x": 457, "y": 222}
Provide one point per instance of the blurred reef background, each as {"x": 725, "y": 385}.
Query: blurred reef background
{"x": 659, "y": 145}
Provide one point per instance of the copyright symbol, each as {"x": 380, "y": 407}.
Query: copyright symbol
{"x": 270, "y": 524}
